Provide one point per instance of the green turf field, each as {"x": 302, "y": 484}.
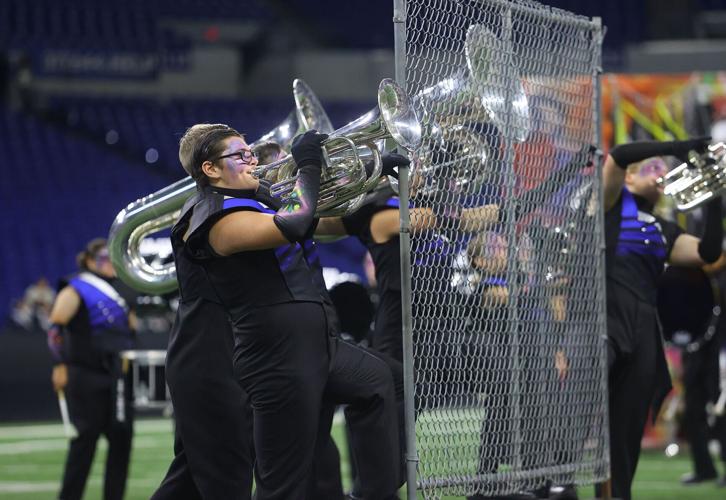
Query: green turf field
{"x": 31, "y": 461}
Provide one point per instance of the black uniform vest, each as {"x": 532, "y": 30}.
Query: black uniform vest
{"x": 249, "y": 279}
{"x": 100, "y": 328}
{"x": 386, "y": 256}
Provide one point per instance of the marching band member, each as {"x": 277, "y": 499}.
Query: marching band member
{"x": 213, "y": 444}
{"x": 92, "y": 321}
{"x": 638, "y": 244}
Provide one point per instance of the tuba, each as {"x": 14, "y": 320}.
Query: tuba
{"x": 344, "y": 180}
{"x": 698, "y": 180}
{"x": 160, "y": 210}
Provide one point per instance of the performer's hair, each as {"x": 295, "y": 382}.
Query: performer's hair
{"x": 267, "y": 152}
{"x": 200, "y": 143}
{"x": 90, "y": 252}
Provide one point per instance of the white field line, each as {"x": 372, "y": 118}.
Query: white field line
{"x": 44, "y": 445}
{"x": 31, "y": 431}
{"x": 47, "y": 486}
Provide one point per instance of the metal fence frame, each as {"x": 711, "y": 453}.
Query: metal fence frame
{"x": 400, "y": 38}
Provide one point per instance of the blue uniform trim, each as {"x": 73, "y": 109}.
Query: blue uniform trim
{"x": 103, "y": 311}
{"x": 638, "y": 236}
{"x": 246, "y": 203}
{"x": 395, "y": 202}
{"x": 287, "y": 254}
{"x": 494, "y": 281}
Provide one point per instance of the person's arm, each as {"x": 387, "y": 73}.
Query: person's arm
{"x": 623, "y": 155}
{"x": 385, "y": 224}
{"x": 248, "y": 230}
{"x": 694, "y": 252}
{"x": 613, "y": 180}
{"x": 65, "y": 307}
{"x": 330, "y": 226}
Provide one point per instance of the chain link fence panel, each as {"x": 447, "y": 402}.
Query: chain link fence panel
{"x": 508, "y": 308}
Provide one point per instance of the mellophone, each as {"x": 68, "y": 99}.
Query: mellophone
{"x": 145, "y": 370}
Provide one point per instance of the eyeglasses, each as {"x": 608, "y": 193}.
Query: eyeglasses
{"x": 245, "y": 156}
{"x": 102, "y": 255}
{"x": 656, "y": 167}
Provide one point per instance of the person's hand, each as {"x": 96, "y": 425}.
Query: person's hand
{"x": 697, "y": 144}
{"x": 562, "y": 365}
{"x": 307, "y": 149}
{"x": 59, "y": 377}
{"x": 391, "y": 162}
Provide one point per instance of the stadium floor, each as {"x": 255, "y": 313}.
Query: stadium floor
{"x": 31, "y": 461}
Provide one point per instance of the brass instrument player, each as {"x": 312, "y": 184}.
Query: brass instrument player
{"x": 638, "y": 244}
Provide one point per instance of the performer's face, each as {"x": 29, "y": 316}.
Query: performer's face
{"x": 643, "y": 182}
{"x": 101, "y": 264}
{"x": 492, "y": 256}
{"x": 234, "y": 167}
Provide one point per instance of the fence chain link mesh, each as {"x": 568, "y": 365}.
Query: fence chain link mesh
{"x": 507, "y": 289}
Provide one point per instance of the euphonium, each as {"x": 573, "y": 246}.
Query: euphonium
{"x": 347, "y": 149}
{"x": 698, "y": 180}
{"x": 160, "y": 210}
{"x": 483, "y": 92}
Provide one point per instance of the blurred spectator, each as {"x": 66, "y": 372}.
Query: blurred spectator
{"x": 32, "y": 311}
{"x": 20, "y": 84}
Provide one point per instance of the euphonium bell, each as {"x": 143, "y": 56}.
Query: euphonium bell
{"x": 481, "y": 93}
{"x": 307, "y": 115}
{"x": 487, "y": 91}
{"x": 698, "y": 180}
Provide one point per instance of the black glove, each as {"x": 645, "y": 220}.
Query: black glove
{"x": 709, "y": 248}
{"x": 294, "y": 219}
{"x": 625, "y": 154}
{"x": 390, "y": 161}
{"x": 307, "y": 149}
{"x": 697, "y": 144}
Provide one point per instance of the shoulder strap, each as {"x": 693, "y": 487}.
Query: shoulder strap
{"x": 103, "y": 287}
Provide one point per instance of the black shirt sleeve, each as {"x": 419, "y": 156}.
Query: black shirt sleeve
{"x": 357, "y": 223}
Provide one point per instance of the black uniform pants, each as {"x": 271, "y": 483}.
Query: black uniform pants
{"x": 282, "y": 362}
{"x": 371, "y": 385}
{"x": 633, "y": 361}
{"x": 91, "y": 400}
{"x": 212, "y": 442}
{"x": 213, "y": 438}
{"x": 387, "y": 336}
